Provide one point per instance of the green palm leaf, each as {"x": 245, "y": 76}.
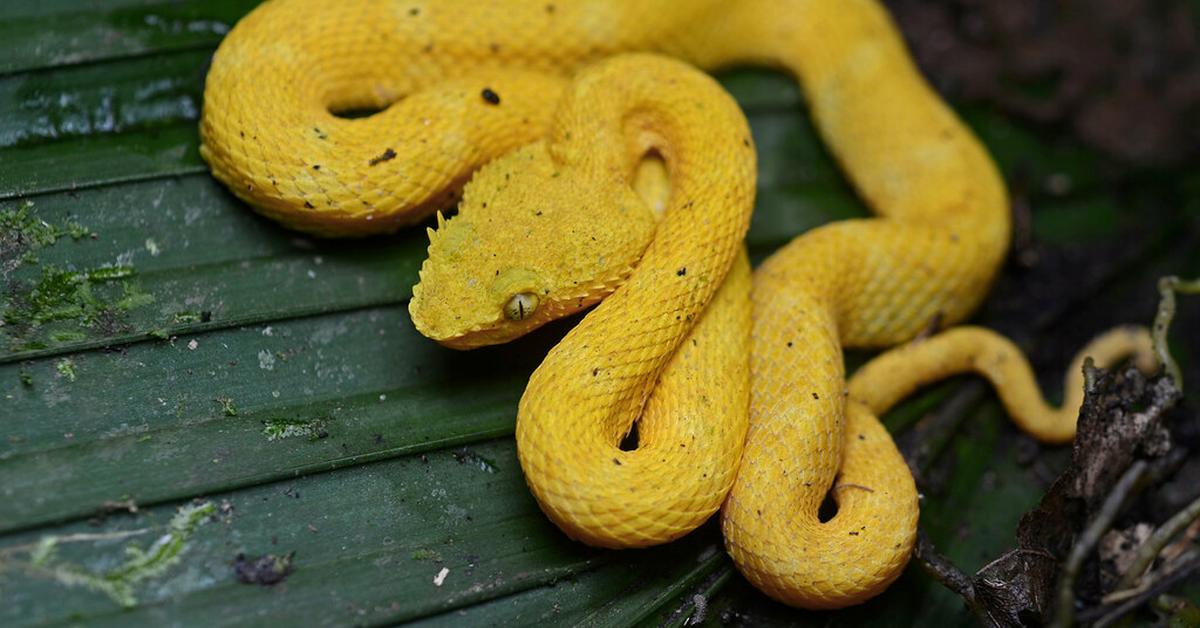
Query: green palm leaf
{"x": 246, "y": 390}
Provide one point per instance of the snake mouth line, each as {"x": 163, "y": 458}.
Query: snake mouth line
{"x": 473, "y": 339}
{"x": 497, "y": 331}
{"x": 468, "y": 336}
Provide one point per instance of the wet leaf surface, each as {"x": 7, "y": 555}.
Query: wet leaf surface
{"x": 274, "y": 380}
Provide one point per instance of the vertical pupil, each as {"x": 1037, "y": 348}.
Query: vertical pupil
{"x": 520, "y": 306}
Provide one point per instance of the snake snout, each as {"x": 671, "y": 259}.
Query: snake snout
{"x": 441, "y": 317}
{"x": 461, "y": 312}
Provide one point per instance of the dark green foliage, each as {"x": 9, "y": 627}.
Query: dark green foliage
{"x": 272, "y": 382}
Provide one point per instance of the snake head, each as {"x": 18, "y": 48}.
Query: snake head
{"x": 533, "y": 241}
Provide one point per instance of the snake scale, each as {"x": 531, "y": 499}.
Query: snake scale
{"x": 563, "y": 151}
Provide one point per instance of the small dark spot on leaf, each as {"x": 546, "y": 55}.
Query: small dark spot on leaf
{"x": 490, "y": 97}
{"x": 616, "y": 462}
{"x": 681, "y": 272}
{"x": 266, "y": 570}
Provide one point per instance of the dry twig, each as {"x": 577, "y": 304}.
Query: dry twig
{"x": 1150, "y": 550}
{"x": 1064, "y": 615}
{"x": 1108, "y": 615}
{"x": 1168, "y": 287}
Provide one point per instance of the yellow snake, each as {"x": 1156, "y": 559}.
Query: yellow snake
{"x": 552, "y": 228}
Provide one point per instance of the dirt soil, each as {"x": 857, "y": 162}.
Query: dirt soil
{"x": 1123, "y": 75}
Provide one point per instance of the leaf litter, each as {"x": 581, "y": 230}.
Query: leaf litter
{"x": 1069, "y": 565}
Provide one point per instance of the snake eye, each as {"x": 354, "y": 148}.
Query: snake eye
{"x": 520, "y": 306}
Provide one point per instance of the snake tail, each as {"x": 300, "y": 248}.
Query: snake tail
{"x": 895, "y": 374}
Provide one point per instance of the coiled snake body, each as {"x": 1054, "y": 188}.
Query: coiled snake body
{"x": 554, "y": 227}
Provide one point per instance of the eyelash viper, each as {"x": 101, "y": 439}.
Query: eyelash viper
{"x": 470, "y": 82}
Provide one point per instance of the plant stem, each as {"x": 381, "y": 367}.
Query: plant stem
{"x": 1126, "y": 486}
